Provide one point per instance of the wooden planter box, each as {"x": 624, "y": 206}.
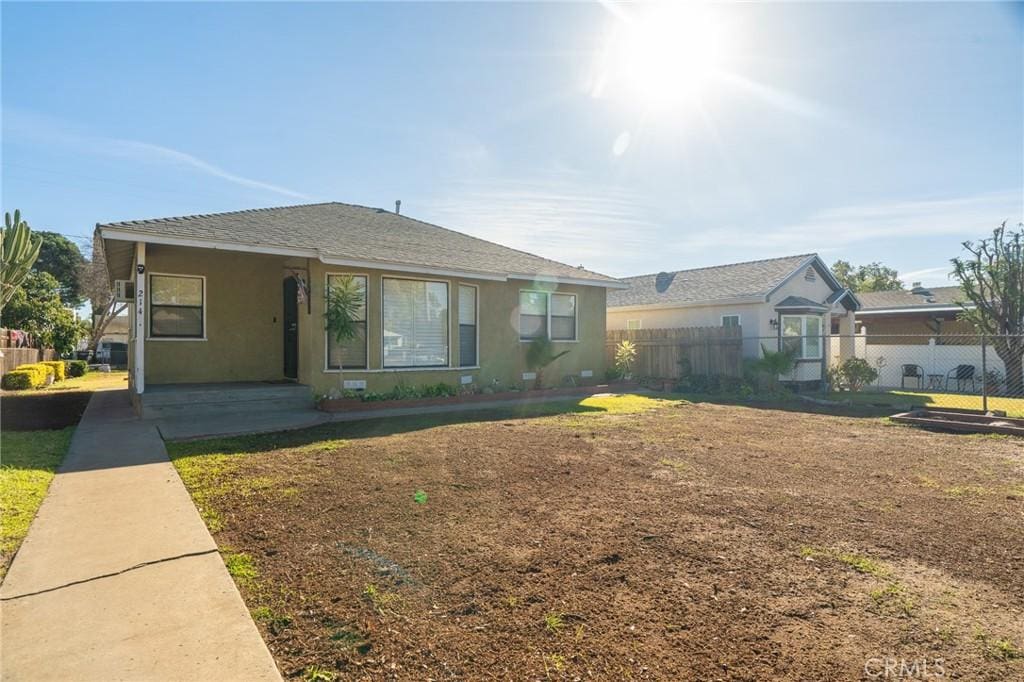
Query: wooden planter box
{"x": 356, "y": 405}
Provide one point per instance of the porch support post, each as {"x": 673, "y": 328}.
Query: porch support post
{"x": 139, "y": 365}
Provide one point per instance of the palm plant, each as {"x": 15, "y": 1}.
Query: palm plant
{"x": 344, "y": 299}
{"x": 625, "y": 356}
{"x": 20, "y": 249}
{"x": 540, "y": 354}
{"x": 776, "y": 363}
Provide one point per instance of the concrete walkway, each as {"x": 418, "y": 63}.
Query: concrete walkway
{"x": 118, "y": 578}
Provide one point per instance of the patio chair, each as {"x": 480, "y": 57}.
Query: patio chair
{"x": 912, "y": 372}
{"x": 962, "y": 374}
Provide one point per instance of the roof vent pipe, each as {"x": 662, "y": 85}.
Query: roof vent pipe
{"x": 398, "y": 206}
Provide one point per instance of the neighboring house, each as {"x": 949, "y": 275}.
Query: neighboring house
{"x": 112, "y": 346}
{"x": 795, "y": 297}
{"x": 239, "y": 297}
{"x": 914, "y": 316}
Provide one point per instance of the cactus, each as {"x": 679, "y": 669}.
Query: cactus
{"x": 20, "y": 249}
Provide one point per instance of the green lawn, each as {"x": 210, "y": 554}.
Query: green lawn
{"x": 1014, "y": 407}
{"x": 28, "y": 460}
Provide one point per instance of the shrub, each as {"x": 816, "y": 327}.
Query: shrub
{"x": 625, "y": 356}
{"x": 20, "y": 379}
{"x": 76, "y": 368}
{"x": 856, "y": 373}
{"x": 45, "y": 371}
{"x": 59, "y": 372}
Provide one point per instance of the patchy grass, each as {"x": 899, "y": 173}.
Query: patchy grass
{"x": 545, "y": 545}
{"x": 241, "y": 567}
{"x": 29, "y": 460}
{"x": 1014, "y": 407}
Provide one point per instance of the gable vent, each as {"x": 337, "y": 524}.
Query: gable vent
{"x": 809, "y": 275}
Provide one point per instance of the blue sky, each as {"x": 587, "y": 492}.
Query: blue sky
{"x": 883, "y": 131}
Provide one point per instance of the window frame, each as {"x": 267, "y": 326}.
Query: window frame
{"x": 476, "y": 326}
{"x": 639, "y": 324}
{"x": 739, "y": 319}
{"x": 149, "y": 307}
{"x": 366, "y": 307}
{"x": 547, "y": 295}
{"x": 448, "y": 327}
{"x": 803, "y": 335}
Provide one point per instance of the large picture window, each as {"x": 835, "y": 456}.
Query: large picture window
{"x": 801, "y": 334}
{"x": 543, "y": 314}
{"x": 467, "y": 326}
{"x": 415, "y": 323}
{"x": 176, "y": 307}
{"x": 351, "y": 354}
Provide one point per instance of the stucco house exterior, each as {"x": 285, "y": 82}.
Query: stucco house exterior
{"x": 240, "y": 297}
{"x": 913, "y": 316}
{"x": 772, "y": 299}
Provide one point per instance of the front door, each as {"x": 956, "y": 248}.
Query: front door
{"x": 291, "y": 329}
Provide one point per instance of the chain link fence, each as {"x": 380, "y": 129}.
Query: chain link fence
{"x": 966, "y": 371}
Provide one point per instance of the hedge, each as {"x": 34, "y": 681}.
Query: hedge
{"x": 59, "y": 372}
{"x": 76, "y": 368}
{"x": 37, "y": 375}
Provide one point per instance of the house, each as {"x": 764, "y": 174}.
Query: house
{"x": 913, "y": 316}
{"x": 772, "y": 299}
{"x": 240, "y": 297}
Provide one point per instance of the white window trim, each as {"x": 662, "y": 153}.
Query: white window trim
{"x": 476, "y": 298}
{"x": 639, "y": 325}
{"x": 148, "y": 322}
{"x": 327, "y": 356}
{"x": 739, "y": 319}
{"x": 448, "y": 360}
{"x": 575, "y": 311}
{"x": 803, "y": 335}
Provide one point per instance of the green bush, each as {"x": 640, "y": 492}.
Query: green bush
{"x": 855, "y": 373}
{"x": 59, "y": 371}
{"x": 76, "y": 368}
{"x": 19, "y": 380}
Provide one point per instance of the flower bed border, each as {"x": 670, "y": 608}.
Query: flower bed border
{"x": 356, "y": 405}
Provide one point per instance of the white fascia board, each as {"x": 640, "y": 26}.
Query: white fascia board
{"x": 896, "y": 311}
{"x": 747, "y": 300}
{"x": 554, "y": 279}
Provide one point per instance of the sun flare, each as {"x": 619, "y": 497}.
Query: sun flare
{"x": 666, "y": 55}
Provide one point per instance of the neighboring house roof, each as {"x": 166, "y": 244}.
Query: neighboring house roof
{"x": 916, "y": 299}
{"x": 346, "y": 234}
{"x": 799, "y": 302}
{"x": 736, "y": 282}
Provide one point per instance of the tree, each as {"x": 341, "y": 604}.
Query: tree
{"x": 344, "y": 300}
{"x": 20, "y": 248}
{"x": 94, "y": 285}
{"x": 35, "y": 307}
{"x": 61, "y": 257}
{"x": 870, "y": 277}
{"x": 539, "y": 354}
{"x": 992, "y": 280}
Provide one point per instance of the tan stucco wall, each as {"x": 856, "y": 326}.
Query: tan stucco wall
{"x": 244, "y": 331}
{"x": 244, "y": 334}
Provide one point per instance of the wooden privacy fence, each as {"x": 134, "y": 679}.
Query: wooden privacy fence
{"x": 710, "y": 350}
{"x": 19, "y": 356}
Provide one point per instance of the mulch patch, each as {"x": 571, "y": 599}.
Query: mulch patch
{"x": 42, "y": 410}
{"x": 691, "y": 542}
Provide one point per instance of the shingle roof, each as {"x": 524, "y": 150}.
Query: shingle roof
{"x": 737, "y": 280}
{"x": 921, "y": 299}
{"x": 359, "y": 233}
{"x": 799, "y": 302}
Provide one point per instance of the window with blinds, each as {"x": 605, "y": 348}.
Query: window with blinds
{"x": 563, "y": 317}
{"x": 176, "y": 307}
{"x": 533, "y": 315}
{"x": 467, "y": 326}
{"x": 351, "y": 354}
{"x": 415, "y": 323}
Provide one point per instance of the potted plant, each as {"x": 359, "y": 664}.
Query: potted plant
{"x": 539, "y": 355}
{"x": 343, "y": 299}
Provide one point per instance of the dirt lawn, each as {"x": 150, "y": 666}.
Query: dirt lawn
{"x": 631, "y": 539}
